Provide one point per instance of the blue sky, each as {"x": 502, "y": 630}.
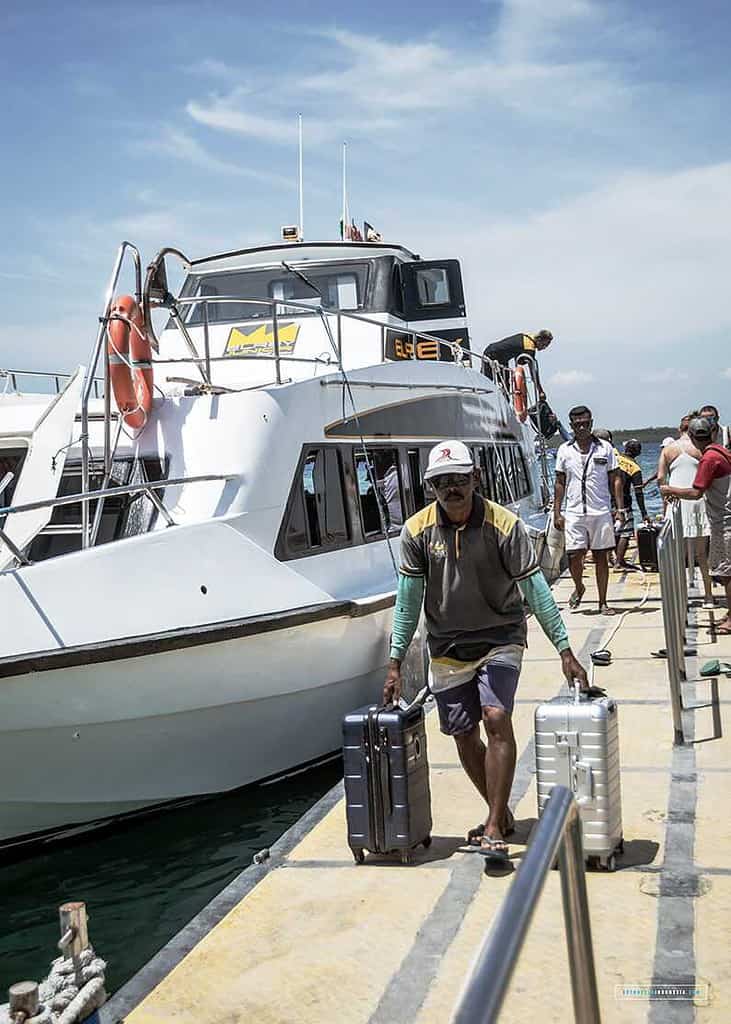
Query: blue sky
{"x": 574, "y": 154}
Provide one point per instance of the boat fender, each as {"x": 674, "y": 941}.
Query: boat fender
{"x": 520, "y": 394}
{"x": 130, "y": 362}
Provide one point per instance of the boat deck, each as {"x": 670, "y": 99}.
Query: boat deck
{"x": 308, "y": 936}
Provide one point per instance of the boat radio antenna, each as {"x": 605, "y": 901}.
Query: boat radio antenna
{"x": 301, "y": 188}
{"x": 301, "y": 276}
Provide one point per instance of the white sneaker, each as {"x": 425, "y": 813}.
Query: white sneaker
{"x": 709, "y": 602}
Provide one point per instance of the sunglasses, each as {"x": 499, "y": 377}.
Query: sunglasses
{"x": 441, "y": 483}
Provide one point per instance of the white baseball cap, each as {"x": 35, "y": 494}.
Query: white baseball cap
{"x": 449, "y": 457}
{"x": 666, "y": 441}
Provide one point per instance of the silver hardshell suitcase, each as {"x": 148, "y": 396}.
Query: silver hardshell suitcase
{"x": 577, "y": 746}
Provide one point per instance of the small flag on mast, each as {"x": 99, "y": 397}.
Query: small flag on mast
{"x": 370, "y": 233}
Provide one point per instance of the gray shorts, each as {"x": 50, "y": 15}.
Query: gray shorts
{"x": 460, "y": 707}
{"x": 720, "y": 553}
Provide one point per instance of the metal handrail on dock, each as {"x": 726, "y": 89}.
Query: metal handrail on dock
{"x": 558, "y": 835}
{"x": 674, "y": 595}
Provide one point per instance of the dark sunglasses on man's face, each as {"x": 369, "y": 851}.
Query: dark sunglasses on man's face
{"x": 441, "y": 483}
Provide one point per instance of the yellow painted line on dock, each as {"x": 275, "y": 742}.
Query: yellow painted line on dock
{"x": 322, "y": 940}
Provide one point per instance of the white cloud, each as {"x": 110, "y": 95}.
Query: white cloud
{"x": 727, "y": 373}
{"x": 637, "y": 264}
{"x": 223, "y": 113}
{"x": 182, "y": 146}
{"x": 570, "y": 378}
{"x": 212, "y": 68}
{"x": 372, "y": 86}
{"x": 669, "y": 375}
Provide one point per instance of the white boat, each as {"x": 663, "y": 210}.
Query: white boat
{"x": 167, "y": 643}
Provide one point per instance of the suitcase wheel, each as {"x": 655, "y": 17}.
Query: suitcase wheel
{"x": 427, "y": 843}
{"x": 406, "y": 856}
{"x": 359, "y": 856}
{"x": 610, "y": 864}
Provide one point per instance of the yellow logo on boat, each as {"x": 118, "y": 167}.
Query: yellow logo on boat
{"x": 259, "y": 340}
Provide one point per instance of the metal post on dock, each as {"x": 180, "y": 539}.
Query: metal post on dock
{"x": 24, "y": 1001}
{"x": 671, "y": 600}
{"x": 558, "y": 835}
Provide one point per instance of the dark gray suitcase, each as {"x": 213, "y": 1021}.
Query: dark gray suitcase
{"x": 386, "y": 773}
{"x": 577, "y": 746}
{"x": 647, "y": 546}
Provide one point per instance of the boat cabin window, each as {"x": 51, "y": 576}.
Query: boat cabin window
{"x": 342, "y": 495}
{"x": 430, "y": 290}
{"x": 503, "y": 473}
{"x": 416, "y": 480}
{"x": 379, "y": 491}
{"x": 342, "y": 286}
{"x": 316, "y": 517}
{"x": 432, "y": 286}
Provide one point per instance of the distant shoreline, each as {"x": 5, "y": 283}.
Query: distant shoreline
{"x": 646, "y": 435}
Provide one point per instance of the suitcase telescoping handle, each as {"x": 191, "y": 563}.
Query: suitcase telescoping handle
{"x": 419, "y": 699}
{"x": 583, "y": 696}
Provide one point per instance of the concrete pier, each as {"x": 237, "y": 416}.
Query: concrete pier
{"x": 310, "y": 937}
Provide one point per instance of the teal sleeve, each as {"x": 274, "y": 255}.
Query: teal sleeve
{"x": 409, "y": 597}
{"x": 541, "y": 602}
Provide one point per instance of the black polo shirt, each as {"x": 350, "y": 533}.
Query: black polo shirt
{"x": 472, "y": 602}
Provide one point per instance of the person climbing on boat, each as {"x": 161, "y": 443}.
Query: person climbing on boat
{"x": 586, "y": 469}
{"x": 516, "y": 345}
{"x": 712, "y": 482}
{"x": 471, "y": 563}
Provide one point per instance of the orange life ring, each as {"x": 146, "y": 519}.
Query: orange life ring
{"x": 520, "y": 394}
{"x": 130, "y": 362}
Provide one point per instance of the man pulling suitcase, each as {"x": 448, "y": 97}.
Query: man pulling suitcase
{"x": 471, "y": 562}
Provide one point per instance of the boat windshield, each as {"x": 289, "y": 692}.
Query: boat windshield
{"x": 342, "y": 286}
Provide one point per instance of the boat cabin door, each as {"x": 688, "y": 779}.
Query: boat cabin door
{"x": 34, "y": 451}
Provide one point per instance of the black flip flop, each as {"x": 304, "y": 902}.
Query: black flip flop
{"x": 494, "y": 851}
{"x": 478, "y": 831}
{"x": 475, "y": 833}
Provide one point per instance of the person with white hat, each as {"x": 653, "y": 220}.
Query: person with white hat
{"x": 470, "y": 562}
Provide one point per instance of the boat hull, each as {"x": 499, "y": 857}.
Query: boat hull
{"x": 217, "y": 717}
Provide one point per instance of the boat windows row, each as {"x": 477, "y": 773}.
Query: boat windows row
{"x": 343, "y": 495}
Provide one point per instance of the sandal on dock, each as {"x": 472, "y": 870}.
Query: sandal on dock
{"x": 576, "y": 598}
{"x": 475, "y": 835}
{"x": 495, "y": 850}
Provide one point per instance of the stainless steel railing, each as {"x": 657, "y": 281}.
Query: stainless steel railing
{"x": 674, "y": 594}
{"x": 55, "y": 379}
{"x": 558, "y": 835}
{"x": 149, "y": 488}
{"x": 88, "y": 387}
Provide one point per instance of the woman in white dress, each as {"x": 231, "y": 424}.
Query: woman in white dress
{"x": 677, "y": 466}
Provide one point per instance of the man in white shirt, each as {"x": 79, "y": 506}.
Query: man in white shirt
{"x": 586, "y": 468}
